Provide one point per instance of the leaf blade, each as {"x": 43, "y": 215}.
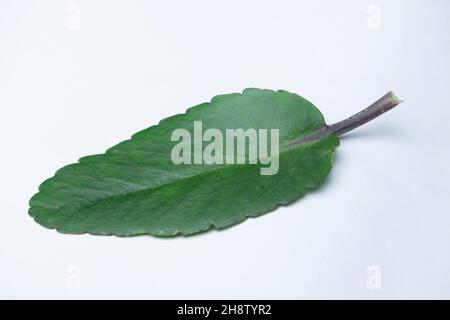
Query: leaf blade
{"x": 134, "y": 188}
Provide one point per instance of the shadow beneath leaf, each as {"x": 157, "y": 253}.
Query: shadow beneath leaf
{"x": 322, "y": 187}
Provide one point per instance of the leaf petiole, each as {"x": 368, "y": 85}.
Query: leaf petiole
{"x": 385, "y": 103}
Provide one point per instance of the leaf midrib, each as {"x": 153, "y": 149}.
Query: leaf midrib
{"x": 296, "y": 143}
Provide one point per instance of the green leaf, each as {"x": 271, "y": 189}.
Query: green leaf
{"x": 135, "y": 188}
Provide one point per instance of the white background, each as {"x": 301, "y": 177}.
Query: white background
{"x": 68, "y": 90}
